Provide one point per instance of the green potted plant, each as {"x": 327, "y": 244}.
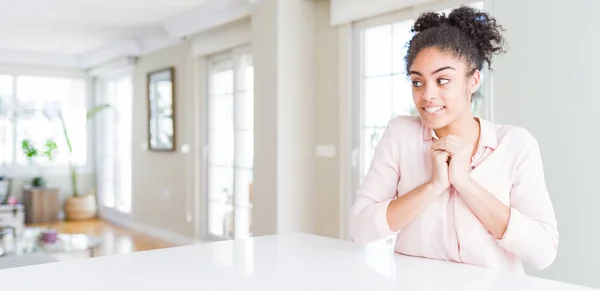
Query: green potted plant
{"x": 41, "y": 203}
{"x": 32, "y": 153}
{"x": 79, "y": 205}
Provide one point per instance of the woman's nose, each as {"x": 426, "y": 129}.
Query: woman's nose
{"x": 430, "y": 93}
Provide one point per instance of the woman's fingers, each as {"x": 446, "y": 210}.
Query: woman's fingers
{"x": 444, "y": 145}
{"x": 450, "y": 144}
{"x": 439, "y": 152}
{"x": 441, "y": 156}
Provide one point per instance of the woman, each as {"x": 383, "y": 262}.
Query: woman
{"x": 448, "y": 185}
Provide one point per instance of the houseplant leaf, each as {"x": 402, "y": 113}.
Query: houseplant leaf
{"x": 95, "y": 110}
{"x": 91, "y": 113}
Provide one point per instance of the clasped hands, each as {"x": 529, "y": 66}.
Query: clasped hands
{"x": 451, "y": 157}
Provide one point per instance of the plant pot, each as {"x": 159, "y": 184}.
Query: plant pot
{"x": 81, "y": 207}
{"x": 49, "y": 236}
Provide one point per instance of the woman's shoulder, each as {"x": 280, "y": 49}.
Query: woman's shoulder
{"x": 515, "y": 136}
{"x": 407, "y": 124}
{"x": 400, "y": 131}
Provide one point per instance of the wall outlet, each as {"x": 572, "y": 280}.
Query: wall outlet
{"x": 325, "y": 151}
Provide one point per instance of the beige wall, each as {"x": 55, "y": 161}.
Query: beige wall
{"x": 264, "y": 46}
{"x": 284, "y": 62}
{"x": 327, "y": 124}
{"x": 161, "y": 181}
{"x": 547, "y": 82}
{"x": 292, "y": 115}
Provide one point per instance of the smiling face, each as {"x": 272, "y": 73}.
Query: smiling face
{"x": 442, "y": 86}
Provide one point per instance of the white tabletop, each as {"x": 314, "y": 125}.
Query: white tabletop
{"x": 283, "y": 262}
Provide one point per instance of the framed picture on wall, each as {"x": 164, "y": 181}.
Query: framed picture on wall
{"x": 161, "y": 110}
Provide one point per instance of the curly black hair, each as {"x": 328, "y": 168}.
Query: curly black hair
{"x": 466, "y": 32}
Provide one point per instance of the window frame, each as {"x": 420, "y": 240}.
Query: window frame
{"x": 230, "y": 55}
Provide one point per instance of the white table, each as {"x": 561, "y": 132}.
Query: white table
{"x": 26, "y": 260}
{"x": 284, "y": 262}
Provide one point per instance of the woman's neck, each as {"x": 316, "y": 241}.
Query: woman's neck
{"x": 466, "y": 128}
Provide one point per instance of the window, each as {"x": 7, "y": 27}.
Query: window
{"x": 30, "y": 108}
{"x": 115, "y": 144}
{"x": 230, "y": 144}
{"x": 6, "y": 125}
{"x": 383, "y": 91}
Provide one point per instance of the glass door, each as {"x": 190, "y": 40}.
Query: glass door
{"x": 115, "y": 144}
{"x": 230, "y": 145}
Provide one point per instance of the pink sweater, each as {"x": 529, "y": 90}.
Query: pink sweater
{"x": 507, "y": 163}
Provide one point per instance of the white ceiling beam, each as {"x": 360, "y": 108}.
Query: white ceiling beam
{"x": 109, "y": 68}
{"x": 230, "y": 35}
{"x": 210, "y": 15}
{"x": 154, "y": 43}
{"x": 31, "y": 58}
{"x": 128, "y": 47}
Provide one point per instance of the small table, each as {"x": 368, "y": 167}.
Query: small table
{"x": 28, "y": 243}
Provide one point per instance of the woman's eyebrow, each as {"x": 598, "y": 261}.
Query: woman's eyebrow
{"x": 443, "y": 68}
{"x": 434, "y": 72}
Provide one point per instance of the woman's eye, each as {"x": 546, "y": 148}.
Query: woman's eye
{"x": 417, "y": 83}
{"x": 443, "y": 81}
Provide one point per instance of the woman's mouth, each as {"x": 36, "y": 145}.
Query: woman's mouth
{"x": 434, "y": 109}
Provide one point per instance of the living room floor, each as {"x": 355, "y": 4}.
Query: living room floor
{"x": 115, "y": 239}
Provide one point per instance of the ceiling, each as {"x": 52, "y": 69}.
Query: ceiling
{"x": 79, "y": 28}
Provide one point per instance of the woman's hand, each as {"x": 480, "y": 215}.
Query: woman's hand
{"x": 439, "y": 177}
{"x": 460, "y": 157}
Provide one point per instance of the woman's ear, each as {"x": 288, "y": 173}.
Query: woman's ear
{"x": 474, "y": 82}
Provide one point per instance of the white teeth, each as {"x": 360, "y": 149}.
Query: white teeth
{"x": 434, "y": 109}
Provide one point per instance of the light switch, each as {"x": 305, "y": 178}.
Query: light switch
{"x": 325, "y": 151}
